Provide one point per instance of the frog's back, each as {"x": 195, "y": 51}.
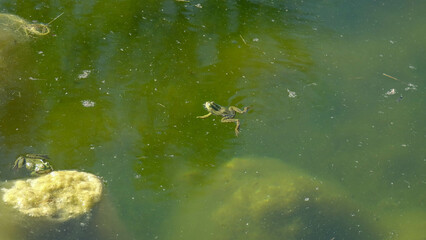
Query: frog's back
{"x": 228, "y": 113}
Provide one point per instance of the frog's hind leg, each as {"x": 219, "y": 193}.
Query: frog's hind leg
{"x": 20, "y": 162}
{"x": 236, "y": 121}
{"x": 233, "y": 108}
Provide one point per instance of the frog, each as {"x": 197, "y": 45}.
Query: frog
{"x": 227, "y": 114}
{"x": 36, "y": 163}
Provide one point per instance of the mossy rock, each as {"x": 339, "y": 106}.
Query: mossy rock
{"x": 59, "y": 195}
{"x": 260, "y": 198}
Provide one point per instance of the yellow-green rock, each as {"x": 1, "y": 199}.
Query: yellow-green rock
{"x": 59, "y": 195}
{"x": 262, "y": 198}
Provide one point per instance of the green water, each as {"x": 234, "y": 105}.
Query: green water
{"x": 116, "y": 86}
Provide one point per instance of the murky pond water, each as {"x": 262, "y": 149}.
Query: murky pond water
{"x": 333, "y": 145}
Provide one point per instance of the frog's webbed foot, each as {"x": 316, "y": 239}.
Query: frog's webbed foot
{"x": 205, "y": 116}
{"x": 236, "y": 121}
{"x": 233, "y": 108}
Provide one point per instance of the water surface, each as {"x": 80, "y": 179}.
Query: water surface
{"x": 115, "y": 89}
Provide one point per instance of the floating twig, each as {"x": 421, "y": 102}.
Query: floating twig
{"x": 161, "y": 105}
{"x": 389, "y": 76}
{"x": 55, "y": 18}
{"x": 244, "y": 41}
{"x": 394, "y": 78}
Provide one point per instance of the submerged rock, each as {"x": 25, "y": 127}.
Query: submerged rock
{"x": 59, "y": 195}
{"x": 258, "y": 198}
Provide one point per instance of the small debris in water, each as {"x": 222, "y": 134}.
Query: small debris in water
{"x": 87, "y": 103}
{"x": 411, "y": 87}
{"x": 291, "y": 94}
{"x": 161, "y": 105}
{"x": 35, "y": 79}
{"x": 198, "y": 5}
{"x": 391, "y": 92}
{"x": 244, "y": 41}
{"x": 85, "y": 74}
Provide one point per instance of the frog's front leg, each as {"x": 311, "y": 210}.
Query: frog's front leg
{"x": 233, "y": 108}
{"x": 236, "y": 121}
{"x": 205, "y": 116}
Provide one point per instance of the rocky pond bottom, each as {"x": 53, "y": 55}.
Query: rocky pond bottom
{"x": 261, "y": 198}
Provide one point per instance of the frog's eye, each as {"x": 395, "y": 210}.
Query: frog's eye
{"x": 207, "y": 105}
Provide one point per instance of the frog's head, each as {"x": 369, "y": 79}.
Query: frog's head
{"x": 42, "y": 168}
{"x": 207, "y": 105}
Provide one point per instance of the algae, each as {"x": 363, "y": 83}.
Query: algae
{"x": 21, "y": 28}
{"x": 15, "y": 36}
{"x": 59, "y": 195}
